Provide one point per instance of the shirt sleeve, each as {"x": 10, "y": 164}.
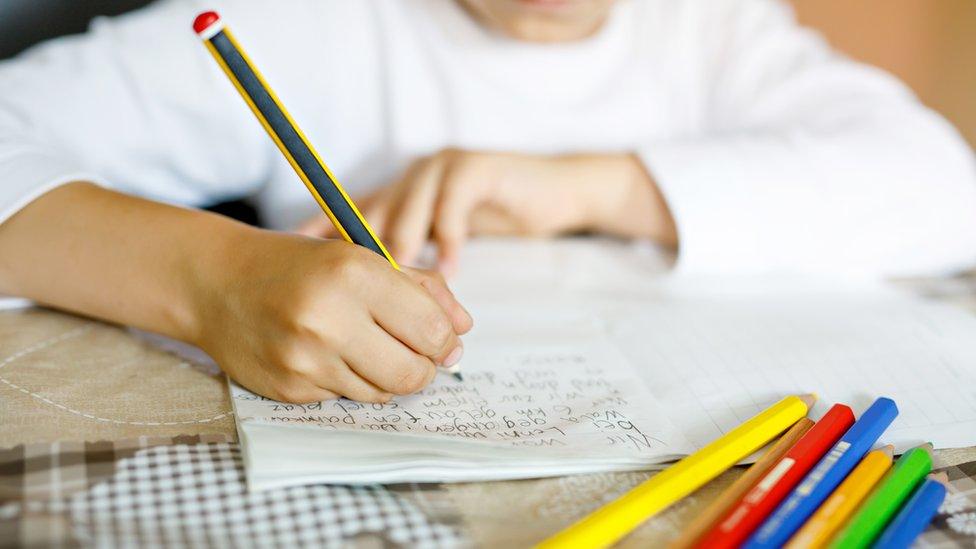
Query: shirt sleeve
{"x": 804, "y": 161}
{"x": 137, "y": 104}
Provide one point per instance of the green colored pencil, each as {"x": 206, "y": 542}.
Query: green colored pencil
{"x": 887, "y": 498}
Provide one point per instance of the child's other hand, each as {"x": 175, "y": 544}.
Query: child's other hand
{"x": 455, "y": 194}
{"x": 301, "y": 320}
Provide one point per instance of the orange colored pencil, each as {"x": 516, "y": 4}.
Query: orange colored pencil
{"x": 841, "y": 504}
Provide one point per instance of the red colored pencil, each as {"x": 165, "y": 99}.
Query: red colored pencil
{"x": 753, "y": 507}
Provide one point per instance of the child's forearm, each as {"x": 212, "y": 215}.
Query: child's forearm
{"x": 119, "y": 258}
{"x": 289, "y": 317}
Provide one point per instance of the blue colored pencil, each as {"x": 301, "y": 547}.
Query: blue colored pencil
{"x": 824, "y": 477}
{"x": 915, "y": 515}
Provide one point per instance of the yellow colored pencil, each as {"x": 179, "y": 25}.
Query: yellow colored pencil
{"x": 834, "y": 512}
{"x": 705, "y": 519}
{"x": 615, "y": 520}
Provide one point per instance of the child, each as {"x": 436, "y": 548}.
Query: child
{"x": 713, "y": 126}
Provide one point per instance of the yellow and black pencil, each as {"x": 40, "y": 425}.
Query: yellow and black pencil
{"x": 286, "y": 134}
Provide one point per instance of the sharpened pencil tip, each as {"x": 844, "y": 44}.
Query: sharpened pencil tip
{"x": 457, "y": 376}
{"x": 941, "y": 478}
{"x": 809, "y": 399}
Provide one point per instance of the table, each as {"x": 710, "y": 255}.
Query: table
{"x": 107, "y": 440}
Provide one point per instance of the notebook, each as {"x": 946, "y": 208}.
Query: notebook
{"x": 589, "y": 357}
{"x": 537, "y": 400}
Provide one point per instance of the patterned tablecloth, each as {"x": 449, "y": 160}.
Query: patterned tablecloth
{"x": 105, "y": 440}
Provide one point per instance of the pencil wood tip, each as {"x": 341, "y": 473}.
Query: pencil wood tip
{"x": 941, "y": 478}
{"x": 889, "y": 450}
{"x": 809, "y": 399}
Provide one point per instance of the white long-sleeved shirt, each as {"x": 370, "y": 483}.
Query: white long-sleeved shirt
{"x": 773, "y": 153}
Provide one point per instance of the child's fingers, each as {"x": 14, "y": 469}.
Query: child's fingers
{"x": 410, "y": 219}
{"x": 351, "y": 385}
{"x": 317, "y": 367}
{"x": 371, "y": 206}
{"x": 375, "y": 208}
{"x": 386, "y": 363}
{"x": 297, "y": 390}
{"x": 318, "y": 226}
{"x": 434, "y": 283}
{"x": 409, "y": 313}
{"x": 458, "y": 198}
{"x": 376, "y": 215}
{"x": 491, "y": 220}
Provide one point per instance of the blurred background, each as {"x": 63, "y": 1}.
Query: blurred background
{"x": 930, "y": 44}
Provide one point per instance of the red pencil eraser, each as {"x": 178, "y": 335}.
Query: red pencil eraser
{"x": 204, "y": 21}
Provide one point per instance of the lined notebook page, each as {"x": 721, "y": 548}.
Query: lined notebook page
{"x": 715, "y": 351}
{"x": 568, "y": 392}
{"x": 717, "y": 361}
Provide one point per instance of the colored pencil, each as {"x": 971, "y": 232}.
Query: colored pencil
{"x": 884, "y": 502}
{"x": 916, "y": 514}
{"x": 825, "y": 476}
{"x": 841, "y": 504}
{"x": 618, "y": 518}
{"x": 705, "y": 519}
{"x": 754, "y": 506}
{"x": 290, "y": 139}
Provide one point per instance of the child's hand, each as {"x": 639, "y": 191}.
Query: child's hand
{"x": 454, "y": 194}
{"x": 302, "y": 320}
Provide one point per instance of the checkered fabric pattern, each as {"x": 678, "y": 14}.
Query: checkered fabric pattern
{"x": 194, "y": 495}
{"x": 50, "y": 471}
{"x": 191, "y": 493}
{"x": 955, "y": 525}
